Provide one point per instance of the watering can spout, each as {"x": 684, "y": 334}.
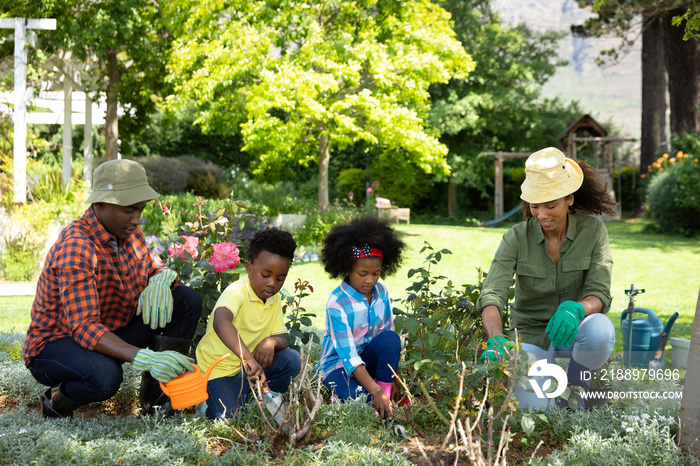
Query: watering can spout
{"x": 669, "y": 323}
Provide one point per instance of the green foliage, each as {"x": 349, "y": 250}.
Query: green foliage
{"x": 673, "y": 196}
{"x": 351, "y": 183}
{"x": 294, "y": 76}
{"x": 319, "y": 223}
{"x": 20, "y": 261}
{"x": 498, "y": 107}
{"x": 442, "y": 330}
{"x": 298, "y": 319}
{"x": 231, "y": 223}
{"x": 632, "y": 194}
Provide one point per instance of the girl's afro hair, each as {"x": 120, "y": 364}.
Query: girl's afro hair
{"x": 337, "y": 246}
{"x": 272, "y": 240}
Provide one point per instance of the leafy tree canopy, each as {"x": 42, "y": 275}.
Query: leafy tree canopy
{"x": 290, "y": 73}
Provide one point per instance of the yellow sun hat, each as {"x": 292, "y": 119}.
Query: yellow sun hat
{"x": 549, "y": 175}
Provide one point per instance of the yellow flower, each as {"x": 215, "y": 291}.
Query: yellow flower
{"x": 680, "y": 153}
{"x": 695, "y": 160}
{"x": 665, "y": 156}
{"x": 661, "y": 169}
{"x": 672, "y": 159}
{"x": 644, "y": 175}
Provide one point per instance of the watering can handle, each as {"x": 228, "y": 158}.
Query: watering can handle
{"x": 211, "y": 368}
{"x": 638, "y": 310}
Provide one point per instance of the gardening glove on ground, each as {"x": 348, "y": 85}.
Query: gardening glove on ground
{"x": 496, "y": 348}
{"x": 163, "y": 365}
{"x": 563, "y": 326}
{"x": 156, "y": 300}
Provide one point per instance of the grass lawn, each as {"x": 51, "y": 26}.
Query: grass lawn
{"x": 667, "y": 267}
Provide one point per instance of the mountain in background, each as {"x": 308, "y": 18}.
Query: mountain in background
{"x": 609, "y": 93}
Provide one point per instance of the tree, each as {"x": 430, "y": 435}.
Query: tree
{"x": 126, "y": 40}
{"x": 689, "y": 425}
{"x": 301, "y": 78}
{"x": 679, "y": 58}
{"x": 498, "y": 106}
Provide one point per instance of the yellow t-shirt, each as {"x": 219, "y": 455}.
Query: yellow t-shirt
{"x": 254, "y": 320}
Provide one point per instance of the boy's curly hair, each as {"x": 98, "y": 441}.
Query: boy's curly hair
{"x": 273, "y": 240}
{"x": 336, "y": 254}
{"x": 591, "y": 198}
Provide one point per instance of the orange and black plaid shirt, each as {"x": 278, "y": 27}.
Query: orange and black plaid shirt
{"x": 88, "y": 285}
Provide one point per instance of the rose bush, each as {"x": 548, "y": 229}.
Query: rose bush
{"x": 204, "y": 247}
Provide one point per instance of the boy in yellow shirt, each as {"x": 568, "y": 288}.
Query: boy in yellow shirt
{"x": 247, "y": 322}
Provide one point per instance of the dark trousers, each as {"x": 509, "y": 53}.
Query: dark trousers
{"x": 88, "y": 376}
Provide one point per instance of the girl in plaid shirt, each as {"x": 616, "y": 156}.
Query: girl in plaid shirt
{"x": 361, "y": 350}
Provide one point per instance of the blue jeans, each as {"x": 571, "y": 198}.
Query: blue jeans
{"x": 227, "y": 394}
{"x": 383, "y": 351}
{"x": 88, "y": 376}
{"x": 589, "y": 351}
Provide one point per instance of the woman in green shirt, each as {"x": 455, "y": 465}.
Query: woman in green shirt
{"x": 561, "y": 260}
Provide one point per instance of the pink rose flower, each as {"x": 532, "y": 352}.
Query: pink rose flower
{"x": 226, "y": 256}
{"x": 190, "y": 245}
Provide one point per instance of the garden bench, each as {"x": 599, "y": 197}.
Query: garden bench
{"x": 385, "y": 207}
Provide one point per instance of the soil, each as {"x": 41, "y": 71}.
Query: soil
{"x": 420, "y": 451}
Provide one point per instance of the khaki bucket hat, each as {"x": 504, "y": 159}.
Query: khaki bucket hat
{"x": 549, "y": 175}
{"x": 122, "y": 182}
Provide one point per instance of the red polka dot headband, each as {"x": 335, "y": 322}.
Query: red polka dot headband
{"x": 366, "y": 251}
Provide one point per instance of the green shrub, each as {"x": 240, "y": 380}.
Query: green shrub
{"x": 20, "y": 262}
{"x": 206, "y": 178}
{"x": 673, "y": 196}
{"x": 351, "y": 183}
{"x": 167, "y": 175}
{"x": 318, "y": 223}
{"x": 632, "y": 194}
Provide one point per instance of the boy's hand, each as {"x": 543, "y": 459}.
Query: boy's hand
{"x": 265, "y": 352}
{"x": 254, "y": 371}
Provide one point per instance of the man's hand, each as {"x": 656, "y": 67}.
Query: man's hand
{"x": 264, "y": 353}
{"x": 163, "y": 365}
{"x": 156, "y": 300}
{"x": 496, "y": 349}
{"x": 563, "y": 326}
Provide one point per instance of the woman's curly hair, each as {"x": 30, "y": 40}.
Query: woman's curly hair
{"x": 272, "y": 240}
{"x": 591, "y": 198}
{"x": 336, "y": 254}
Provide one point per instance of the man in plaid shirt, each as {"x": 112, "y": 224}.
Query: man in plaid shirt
{"x": 103, "y": 299}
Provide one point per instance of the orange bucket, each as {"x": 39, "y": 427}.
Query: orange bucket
{"x": 189, "y": 389}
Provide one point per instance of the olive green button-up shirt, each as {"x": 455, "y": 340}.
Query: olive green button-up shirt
{"x": 584, "y": 269}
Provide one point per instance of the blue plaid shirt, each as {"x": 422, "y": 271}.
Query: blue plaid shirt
{"x": 351, "y": 324}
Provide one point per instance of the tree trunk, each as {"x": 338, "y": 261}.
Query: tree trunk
{"x": 683, "y": 88}
{"x": 689, "y": 429}
{"x": 324, "y": 158}
{"x": 653, "y": 92}
{"x": 111, "y": 119}
{"x": 451, "y": 197}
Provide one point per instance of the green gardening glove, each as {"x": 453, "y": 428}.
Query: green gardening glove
{"x": 163, "y": 365}
{"x": 156, "y": 300}
{"x": 496, "y": 348}
{"x": 563, "y": 326}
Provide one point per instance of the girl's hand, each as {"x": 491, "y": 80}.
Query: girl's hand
{"x": 382, "y": 404}
{"x": 254, "y": 371}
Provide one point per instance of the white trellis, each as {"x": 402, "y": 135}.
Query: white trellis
{"x": 20, "y": 25}
{"x": 67, "y": 108}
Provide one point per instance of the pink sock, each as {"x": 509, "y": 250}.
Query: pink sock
{"x": 386, "y": 387}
